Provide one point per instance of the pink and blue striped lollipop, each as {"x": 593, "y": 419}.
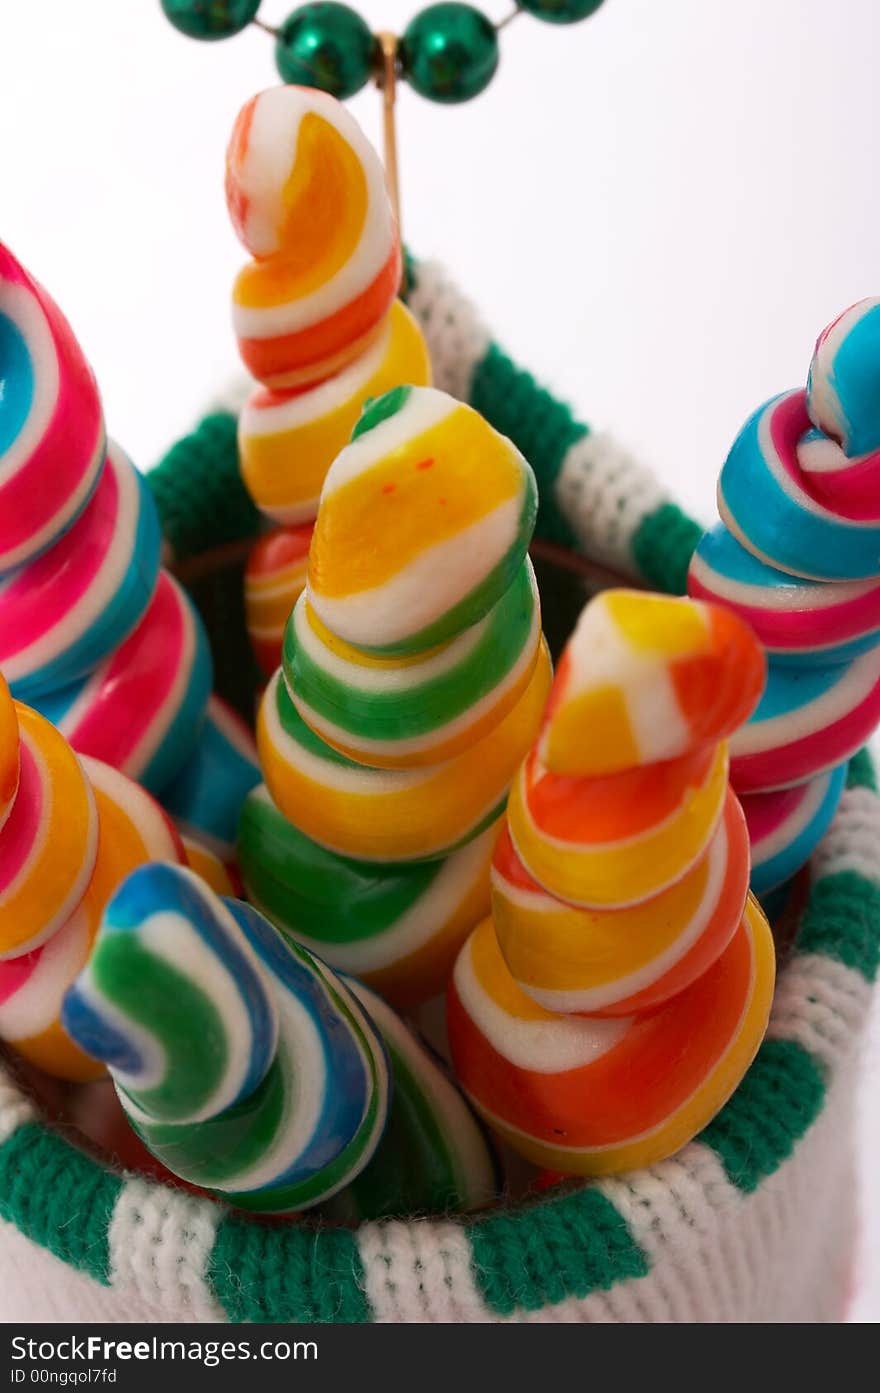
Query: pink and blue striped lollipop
{"x": 51, "y": 426}
{"x": 141, "y": 710}
{"x": 786, "y": 825}
{"x": 798, "y": 557}
{"x": 207, "y": 795}
{"x": 63, "y": 612}
{"x": 801, "y": 487}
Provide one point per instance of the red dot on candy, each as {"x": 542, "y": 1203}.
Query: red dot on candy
{"x": 425, "y": 464}
{"x": 441, "y": 500}
{"x": 388, "y": 488}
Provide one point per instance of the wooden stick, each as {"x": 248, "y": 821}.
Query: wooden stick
{"x": 386, "y": 81}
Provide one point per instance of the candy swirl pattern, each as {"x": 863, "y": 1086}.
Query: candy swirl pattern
{"x": 434, "y": 1157}
{"x": 132, "y": 830}
{"x": 317, "y": 320}
{"x": 398, "y": 926}
{"x": 274, "y": 579}
{"x": 797, "y": 555}
{"x": 307, "y": 197}
{"x": 288, "y": 440}
{"x": 609, "y": 1007}
{"x": 414, "y": 679}
{"x": 451, "y": 507}
{"x": 244, "y": 1065}
{"x": 63, "y": 613}
{"x": 206, "y": 797}
{"x": 49, "y": 838}
{"x": 51, "y": 423}
{"x": 140, "y": 710}
{"x": 592, "y": 1095}
{"x": 9, "y": 752}
{"x": 92, "y": 633}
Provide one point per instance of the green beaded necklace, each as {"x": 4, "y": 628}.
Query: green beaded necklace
{"x": 448, "y": 53}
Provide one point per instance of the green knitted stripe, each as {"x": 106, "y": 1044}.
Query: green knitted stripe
{"x": 567, "y": 1246}
{"x": 780, "y": 1097}
{"x": 861, "y": 773}
{"x": 198, "y": 490}
{"x": 842, "y": 920}
{"x": 539, "y": 425}
{"x": 58, "y": 1197}
{"x": 663, "y": 545}
{"x": 259, "y": 1273}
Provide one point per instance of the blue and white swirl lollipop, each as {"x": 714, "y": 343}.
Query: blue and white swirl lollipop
{"x": 243, "y": 1063}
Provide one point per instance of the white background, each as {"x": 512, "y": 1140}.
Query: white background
{"x": 657, "y": 211}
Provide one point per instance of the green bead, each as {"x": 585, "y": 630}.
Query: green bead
{"x": 449, "y": 52}
{"x": 328, "y": 46}
{"x": 210, "y": 19}
{"x": 560, "y": 11}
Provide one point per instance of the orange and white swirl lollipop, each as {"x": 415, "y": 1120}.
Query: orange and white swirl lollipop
{"x": 316, "y": 317}
{"x": 49, "y": 838}
{"x": 625, "y": 787}
{"x": 132, "y": 830}
{"x": 611, "y": 1005}
{"x": 306, "y": 194}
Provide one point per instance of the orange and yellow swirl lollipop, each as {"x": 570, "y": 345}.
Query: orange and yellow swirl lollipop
{"x": 611, "y": 1005}
{"x": 307, "y": 197}
{"x": 315, "y": 313}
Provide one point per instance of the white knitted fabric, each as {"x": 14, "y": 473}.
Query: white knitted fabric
{"x": 605, "y": 494}
{"x": 456, "y": 336}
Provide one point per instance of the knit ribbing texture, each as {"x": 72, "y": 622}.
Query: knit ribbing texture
{"x": 290, "y": 1274}
{"x": 199, "y": 493}
{"x": 59, "y": 1197}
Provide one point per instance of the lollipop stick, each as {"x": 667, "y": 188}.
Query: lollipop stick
{"x": 386, "y": 81}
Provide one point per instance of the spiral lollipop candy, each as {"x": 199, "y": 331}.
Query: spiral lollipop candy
{"x": 287, "y": 441}
{"x": 590, "y": 1095}
{"x": 458, "y": 503}
{"x": 431, "y": 708}
{"x": 619, "y": 898}
{"x": 131, "y": 830}
{"x": 414, "y": 677}
{"x": 65, "y": 611}
{"x": 51, "y": 424}
{"x": 397, "y": 925}
{"x": 625, "y": 870}
{"x": 91, "y": 632}
{"x": 49, "y": 837}
{"x": 141, "y": 709}
{"x": 800, "y": 623}
{"x": 206, "y": 797}
{"x": 798, "y": 556}
{"x": 786, "y": 824}
{"x": 799, "y": 488}
{"x": 245, "y": 1066}
{"x": 434, "y": 1157}
{"x": 306, "y": 194}
{"x": 316, "y": 316}
{"x": 627, "y": 783}
{"x": 274, "y": 579}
